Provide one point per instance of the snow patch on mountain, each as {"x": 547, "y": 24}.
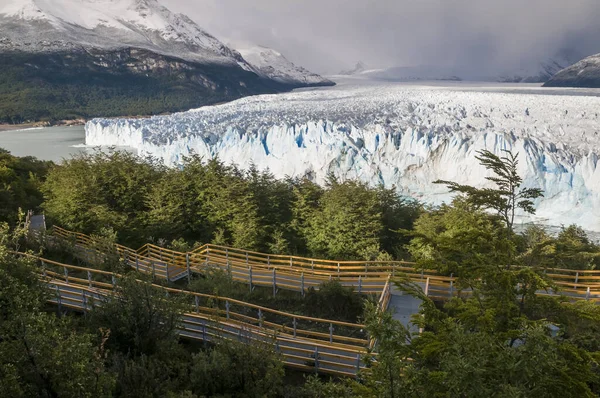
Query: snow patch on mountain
{"x": 273, "y": 65}
{"x": 396, "y": 135}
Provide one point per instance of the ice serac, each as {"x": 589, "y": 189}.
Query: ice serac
{"x": 402, "y": 136}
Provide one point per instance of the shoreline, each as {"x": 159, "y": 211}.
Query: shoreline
{"x": 41, "y": 125}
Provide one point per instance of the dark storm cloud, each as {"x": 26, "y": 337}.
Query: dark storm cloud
{"x": 328, "y": 35}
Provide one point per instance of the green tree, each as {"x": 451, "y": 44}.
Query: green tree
{"x": 140, "y": 317}
{"x": 508, "y": 196}
{"x": 20, "y": 181}
{"x": 348, "y": 222}
{"x": 241, "y": 369}
{"x": 40, "y": 354}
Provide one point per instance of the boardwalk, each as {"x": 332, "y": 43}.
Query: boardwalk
{"x": 305, "y": 343}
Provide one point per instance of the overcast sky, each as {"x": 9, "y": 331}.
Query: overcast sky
{"x": 330, "y": 35}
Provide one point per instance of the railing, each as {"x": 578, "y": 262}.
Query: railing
{"x": 299, "y": 273}
{"x": 304, "y": 342}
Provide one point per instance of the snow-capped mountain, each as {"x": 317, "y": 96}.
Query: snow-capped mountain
{"x": 273, "y": 65}
{"x": 542, "y": 71}
{"x": 46, "y": 25}
{"x": 397, "y": 135}
{"x": 85, "y": 58}
{"x": 585, "y": 73}
{"x": 358, "y": 68}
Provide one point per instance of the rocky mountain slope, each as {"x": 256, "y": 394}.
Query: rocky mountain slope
{"x": 84, "y": 58}
{"x": 585, "y": 73}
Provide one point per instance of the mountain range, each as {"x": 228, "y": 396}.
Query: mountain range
{"x": 539, "y": 72}
{"x": 84, "y": 58}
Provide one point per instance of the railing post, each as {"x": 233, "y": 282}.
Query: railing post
{"x": 451, "y": 285}
{"x": 576, "y": 279}
{"x": 366, "y": 268}
{"x": 89, "y": 274}
{"x": 227, "y": 308}
{"x": 153, "y": 269}
{"x": 274, "y": 282}
{"x": 250, "y": 275}
{"x": 295, "y": 324}
{"x": 84, "y": 301}
{"x": 167, "y": 271}
{"x": 227, "y": 257}
{"x": 207, "y": 254}
{"x": 317, "y": 360}
{"x": 59, "y": 300}
{"x": 268, "y": 261}
{"x": 360, "y": 284}
{"x": 260, "y": 318}
{"x": 246, "y": 258}
{"x": 204, "y": 331}
{"x": 302, "y": 283}
{"x": 587, "y": 295}
{"x": 229, "y": 269}
{"x": 338, "y": 269}
{"x": 312, "y": 264}
{"x": 66, "y": 272}
{"x": 160, "y": 252}
{"x": 291, "y": 262}
{"x": 114, "y": 281}
{"x": 331, "y": 332}
{"x": 137, "y": 262}
{"x": 357, "y": 363}
{"x": 197, "y": 300}
{"x": 427, "y": 287}
{"x": 187, "y": 266}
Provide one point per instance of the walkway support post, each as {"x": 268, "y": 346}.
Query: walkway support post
{"x": 274, "y": 282}
{"x": 187, "y": 266}
{"x": 250, "y": 276}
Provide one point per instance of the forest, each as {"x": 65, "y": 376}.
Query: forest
{"x": 503, "y": 340}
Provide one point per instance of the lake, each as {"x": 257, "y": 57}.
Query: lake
{"x": 48, "y": 143}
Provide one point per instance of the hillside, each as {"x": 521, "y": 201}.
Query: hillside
{"x": 65, "y": 59}
{"x": 585, "y": 73}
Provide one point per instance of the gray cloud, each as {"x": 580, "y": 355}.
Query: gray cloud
{"x": 328, "y": 35}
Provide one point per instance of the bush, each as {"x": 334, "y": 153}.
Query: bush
{"x": 333, "y": 299}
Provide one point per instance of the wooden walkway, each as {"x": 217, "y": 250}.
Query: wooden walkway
{"x": 305, "y": 343}
{"x": 299, "y": 273}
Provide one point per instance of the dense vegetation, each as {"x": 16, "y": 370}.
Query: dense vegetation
{"x": 210, "y": 202}
{"x": 20, "y": 182}
{"x": 70, "y": 85}
{"x": 502, "y": 340}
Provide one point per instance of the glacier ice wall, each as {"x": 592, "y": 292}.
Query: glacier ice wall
{"x": 398, "y": 136}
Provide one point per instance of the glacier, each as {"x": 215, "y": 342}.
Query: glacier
{"x": 400, "y": 135}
